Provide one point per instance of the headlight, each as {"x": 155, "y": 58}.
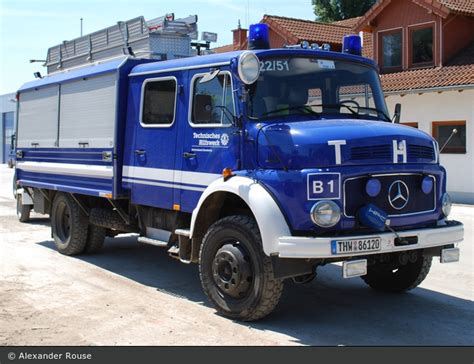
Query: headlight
{"x": 248, "y": 67}
{"x": 446, "y": 204}
{"x": 325, "y": 213}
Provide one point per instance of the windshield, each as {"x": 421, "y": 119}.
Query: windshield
{"x": 319, "y": 88}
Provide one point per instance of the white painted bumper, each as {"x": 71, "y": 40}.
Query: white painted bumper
{"x": 309, "y": 247}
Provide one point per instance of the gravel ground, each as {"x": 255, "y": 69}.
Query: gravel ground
{"x": 130, "y": 294}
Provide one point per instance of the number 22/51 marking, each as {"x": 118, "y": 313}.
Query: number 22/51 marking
{"x": 274, "y": 66}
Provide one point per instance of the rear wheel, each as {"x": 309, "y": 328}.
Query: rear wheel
{"x": 95, "y": 238}
{"x": 394, "y": 277}
{"x": 22, "y": 211}
{"x": 69, "y": 225}
{"x": 236, "y": 275}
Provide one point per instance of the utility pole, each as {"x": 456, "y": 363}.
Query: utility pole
{"x": 81, "y": 27}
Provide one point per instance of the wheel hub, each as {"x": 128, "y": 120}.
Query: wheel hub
{"x": 232, "y": 271}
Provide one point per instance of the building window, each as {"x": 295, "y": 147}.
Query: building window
{"x": 159, "y": 102}
{"x": 421, "y": 46}
{"x": 212, "y": 101}
{"x": 451, "y": 135}
{"x": 391, "y": 50}
{"x": 413, "y": 124}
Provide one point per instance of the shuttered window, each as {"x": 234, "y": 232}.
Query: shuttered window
{"x": 38, "y": 118}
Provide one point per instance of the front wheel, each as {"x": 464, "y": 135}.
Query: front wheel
{"x": 236, "y": 275}
{"x": 22, "y": 211}
{"x": 391, "y": 276}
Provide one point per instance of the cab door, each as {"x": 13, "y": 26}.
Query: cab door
{"x": 150, "y": 172}
{"x": 209, "y": 141}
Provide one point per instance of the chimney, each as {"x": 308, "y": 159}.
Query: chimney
{"x": 240, "y": 37}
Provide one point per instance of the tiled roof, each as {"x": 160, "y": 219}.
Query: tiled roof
{"x": 224, "y": 48}
{"x": 459, "y": 6}
{"x": 298, "y": 30}
{"x": 351, "y": 22}
{"x": 428, "y": 78}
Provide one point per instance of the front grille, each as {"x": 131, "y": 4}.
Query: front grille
{"x": 420, "y": 152}
{"x": 383, "y": 152}
{"x": 379, "y": 152}
{"x": 355, "y": 196}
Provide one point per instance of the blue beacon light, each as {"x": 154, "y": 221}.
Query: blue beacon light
{"x": 258, "y": 36}
{"x": 373, "y": 187}
{"x": 427, "y": 185}
{"x": 352, "y": 44}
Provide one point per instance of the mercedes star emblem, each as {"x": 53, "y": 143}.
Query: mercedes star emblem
{"x": 398, "y": 195}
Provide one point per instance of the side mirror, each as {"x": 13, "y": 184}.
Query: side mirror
{"x": 397, "y": 113}
{"x": 209, "y": 76}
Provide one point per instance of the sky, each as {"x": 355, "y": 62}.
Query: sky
{"x": 29, "y": 27}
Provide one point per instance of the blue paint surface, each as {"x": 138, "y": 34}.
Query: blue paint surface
{"x": 293, "y": 156}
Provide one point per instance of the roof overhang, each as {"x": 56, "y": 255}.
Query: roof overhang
{"x": 367, "y": 21}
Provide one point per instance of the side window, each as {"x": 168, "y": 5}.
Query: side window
{"x": 212, "y": 101}
{"x": 159, "y": 102}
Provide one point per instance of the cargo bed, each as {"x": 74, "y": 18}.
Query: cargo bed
{"x": 70, "y": 129}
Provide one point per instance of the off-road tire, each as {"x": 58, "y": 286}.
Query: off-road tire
{"x": 95, "y": 239}
{"x": 22, "y": 211}
{"x": 264, "y": 292}
{"x": 109, "y": 219}
{"x": 382, "y": 277}
{"x": 69, "y": 225}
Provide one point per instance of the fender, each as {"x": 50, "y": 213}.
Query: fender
{"x": 270, "y": 219}
{"x": 25, "y": 197}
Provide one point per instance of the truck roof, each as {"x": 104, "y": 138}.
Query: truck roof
{"x": 94, "y": 69}
{"x": 221, "y": 59}
{"x": 147, "y": 66}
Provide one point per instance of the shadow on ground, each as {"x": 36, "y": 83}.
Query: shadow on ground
{"x": 328, "y": 311}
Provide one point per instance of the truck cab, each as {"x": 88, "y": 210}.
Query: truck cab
{"x": 259, "y": 165}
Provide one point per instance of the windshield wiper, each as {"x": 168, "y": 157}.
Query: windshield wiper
{"x": 378, "y": 111}
{"x": 304, "y": 108}
{"x": 353, "y": 112}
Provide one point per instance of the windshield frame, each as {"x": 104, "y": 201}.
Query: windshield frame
{"x": 379, "y": 110}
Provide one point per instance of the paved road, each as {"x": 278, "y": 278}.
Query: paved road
{"x": 131, "y": 294}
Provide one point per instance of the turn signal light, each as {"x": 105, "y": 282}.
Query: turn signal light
{"x": 227, "y": 173}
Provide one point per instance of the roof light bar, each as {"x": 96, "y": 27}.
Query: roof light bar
{"x": 352, "y": 44}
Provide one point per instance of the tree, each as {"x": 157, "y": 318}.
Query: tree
{"x": 333, "y": 10}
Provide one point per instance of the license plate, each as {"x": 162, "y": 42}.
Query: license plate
{"x": 355, "y": 246}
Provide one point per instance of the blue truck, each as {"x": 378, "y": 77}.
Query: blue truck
{"x": 260, "y": 165}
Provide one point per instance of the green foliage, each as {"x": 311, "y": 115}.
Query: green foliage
{"x": 333, "y": 10}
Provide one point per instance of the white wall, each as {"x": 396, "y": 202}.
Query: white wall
{"x": 7, "y": 104}
{"x": 445, "y": 106}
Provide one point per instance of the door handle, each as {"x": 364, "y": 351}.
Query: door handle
{"x": 140, "y": 152}
{"x": 189, "y": 155}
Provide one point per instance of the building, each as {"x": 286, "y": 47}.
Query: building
{"x": 425, "y": 52}
{"x": 7, "y": 125}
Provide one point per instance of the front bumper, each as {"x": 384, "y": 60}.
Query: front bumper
{"x": 318, "y": 248}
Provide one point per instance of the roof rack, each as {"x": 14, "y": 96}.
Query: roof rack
{"x": 161, "y": 38}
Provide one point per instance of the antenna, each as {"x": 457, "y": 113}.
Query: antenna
{"x": 247, "y": 14}
{"x": 455, "y": 131}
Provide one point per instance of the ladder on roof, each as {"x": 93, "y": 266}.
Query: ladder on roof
{"x": 161, "y": 38}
